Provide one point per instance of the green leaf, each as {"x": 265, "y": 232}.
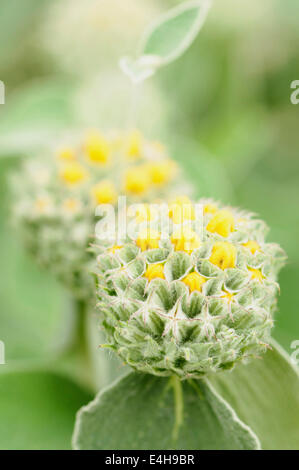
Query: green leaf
{"x": 167, "y": 39}
{"x": 34, "y": 114}
{"x": 265, "y": 394}
{"x": 175, "y": 31}
{"x": 35, "y": 320}
{"x": 37, "y": 410}
{"x": 159, "y": 413}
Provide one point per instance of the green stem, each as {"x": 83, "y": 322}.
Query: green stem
{"x": 77, "y": 359}
{"x": 178, "y": 407}
{"x": 134, "y": 106}
{"x": 80, "y": 343}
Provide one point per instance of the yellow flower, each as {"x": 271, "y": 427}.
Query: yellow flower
{"x": 252, "y": 245}
{"x": 104, "y": 192}
{"x": 97, "y": 148}
{"x": 256, "y": 274}
{"x": 114, "y": 248}
{"x": 73, "y": 173}
{"x": 154, "y": 271}
{"x": 181, "y": 209}
{"x": 223, "y": 255}
{"x": 71, "y": 205}
{"x": 133, "y": 145}
{"x": 228, "y": 296}
{"x": 185, "y": 239}
{"x": 42, "y": 205}
{"x": 194, "y": 281}
{"x": 146, "y": 213}
{"x": 222, "y": 223}
{"x": 137, "y": 180}
{"x": 210, "y": 209}
{"x": 148, "y": 239}
{"x": 66, "y": 153}
{"x": 161, "y": 172}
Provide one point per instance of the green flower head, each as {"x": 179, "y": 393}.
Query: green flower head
{"x": 192, "y": 292}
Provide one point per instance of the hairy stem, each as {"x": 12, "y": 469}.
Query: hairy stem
{"x": 178, "y": 407}
{"x": 77, "y": 360}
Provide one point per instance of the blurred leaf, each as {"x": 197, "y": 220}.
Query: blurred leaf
{"x": 37, "y": 410}
{"x": 35, "y": 319}
{"x": 265, "y": 395}
{"x": 30, "y": 115}
{"x": 175, "y": 31}
{"x": 197, "y": 418}
{"x": 15, "y": 25}
{"x": 208, "y": 175}
{"x": 167, "y": 39}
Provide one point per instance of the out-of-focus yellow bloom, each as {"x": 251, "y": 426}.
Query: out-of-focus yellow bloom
{"x": 104, "y": 192}
{"x": 194, "y": 281}
{"x": 161, "y": 172}
{"x": 256, "y": 274}
{"x": 154, "y": 271}
{"x": 185, "y": 239}
{"x": 181, "y": 209}
{"x": 42, "y": 205}
{"x": 210, "y": 209}
{"x": 148, "y": 239}
{"x": 146, "y": 213}
{"x": 66, "y": 153}
{"x": 137, "y": 180}
{"x": 71, "y": 205}
{"x": 73, "y": 173}
{"x": 223, "y": 255}
{"x": 252, "y": 245}
{"x": 115, "y": 248}
{"x": 229, "y": 296}
{"x": 97, "y": 148}
{"x": 222, "y": 223}
{"x": 133, "y": 145}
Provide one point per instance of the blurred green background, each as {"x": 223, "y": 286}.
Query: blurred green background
{"x": 223, "y": 109}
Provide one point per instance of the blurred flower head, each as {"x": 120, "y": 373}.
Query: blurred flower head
{"x": 55, "y": 197}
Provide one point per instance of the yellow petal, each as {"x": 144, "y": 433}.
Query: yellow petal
{"x": 194, "y": 281}
{"x": 97, "y": 148}
{"x": 137, "y": 180}
{"x": 146, "y": 213}
{"x": 154, "y": 271}
{"x": 222, "y": 223}
{"x": 210, "y": 209}
{"x": 71, "y": 205}
{"x": 73, "y": 173}
{"x": 223, "y": 255}
{"x": 256, "y": 274}
{"x": 66, "y": 153}
{"x": 161, "y": 172}
{"x": 148, "y": 239}
{"x": 252, "y": 245}
{"x": 104, "y": 192}
{"x": 133, "y": 145}
{"x": 185, "y": 239}
{"x": 181, "y": 209}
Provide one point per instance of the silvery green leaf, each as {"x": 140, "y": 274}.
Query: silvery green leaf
{"x": 175, "y": 31}
{"x": 167, "y": 39}
{"x": 37, "y": 409}
{"x": 159, "y": 413}
{"x": 265, "y": 394}
{"x": 140, "y": 69}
